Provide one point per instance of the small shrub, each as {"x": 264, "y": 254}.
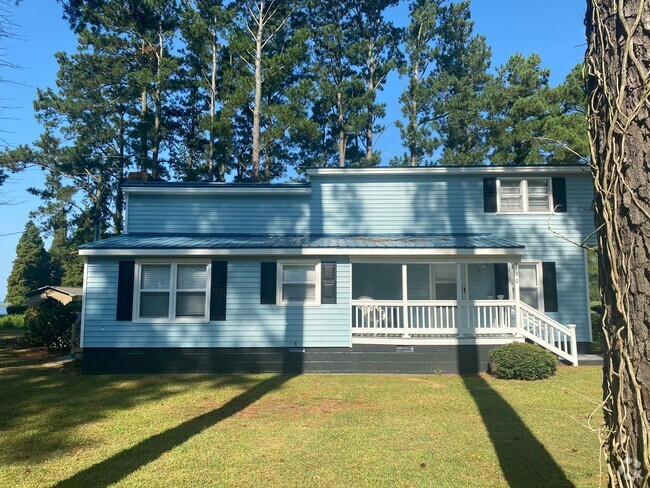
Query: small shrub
{"x": 597, "y": 332}
{"x": 522, "y": 361}
{"x": 16, "y": 309}
{"x": 49, "y": 325}
{"x": 12, "y": 321}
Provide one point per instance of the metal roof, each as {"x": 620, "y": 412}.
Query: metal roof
{"x": 205, "y": 184}
{"x": 304, "y": 241}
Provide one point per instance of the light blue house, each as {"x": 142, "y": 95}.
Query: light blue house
{"x": 364, "y": 269}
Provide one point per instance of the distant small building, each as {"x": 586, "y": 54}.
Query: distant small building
{"x": 63, "y": 294}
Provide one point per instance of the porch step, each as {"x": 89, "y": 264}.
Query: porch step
{"x": 590, "y": 359}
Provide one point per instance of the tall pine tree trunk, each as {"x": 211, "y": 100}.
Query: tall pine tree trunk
{"x": 144, "y": 149}
{"x": 118, "y": 219}
{"x": 255, "y": 155}
{"x": 413, "y": 121}
{"x": 342, "y": 137}
{"x": 155, "y": 150}
{"x": 213, "y": 101}
{"x": 371, "y": 102}
{"x": 618, "y": 57}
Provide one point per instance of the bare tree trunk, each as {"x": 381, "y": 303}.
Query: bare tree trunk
{"x": 98, "y": 207}
{"x": 118, "y": 219}
{"x": 155, "y": 150}
{"x": 413, "y": 123}
{"x": 342, "y": 137}
{"x": 255, "y": 155}
{"x": 213, "y": 101}
{"x": 144, "y": 149}
{"x": 618, "y": 57}
{"x": 371, "y": 108}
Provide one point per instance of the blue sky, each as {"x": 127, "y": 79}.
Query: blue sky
{"x": 554, "y": 29}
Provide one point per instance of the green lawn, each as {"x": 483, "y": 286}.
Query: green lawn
{"x": 61, "y": 428}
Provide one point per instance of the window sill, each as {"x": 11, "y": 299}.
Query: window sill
{"x": 526, "y": 213}
{"x": 201, "y": 321}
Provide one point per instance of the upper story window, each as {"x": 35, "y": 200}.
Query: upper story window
{"x": 525, "y": 195}
{"x": 299, "y": 283}
{"x": 172, "y": 291}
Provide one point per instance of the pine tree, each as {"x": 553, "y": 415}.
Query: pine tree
{"x": 375, "y": 53}
{"x": 31, "y": 268}
{"x": 269, "y": 48}
{"x": 65, "y": 263}
{"x": 144, "y": 34}
{"x": 460, "y": 79}
{"x": 203, "y": 28}
{"x": 339, "y": 88}
{"x": 519, "y": 102}
{"x": 565, "y": 130}
{"x": 418, "y": 99}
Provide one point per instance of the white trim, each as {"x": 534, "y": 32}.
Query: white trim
{"x": 433, "y": 259}
{"x": 588, "y": 290}
{"x": 83, "y": 305}
{"x": 441, "y": 341}
{"x": 422, "y": 170}
{"x": 126, "y": 212}
{"x": 525, "y": 203}
{"x": 349, "y": 263}
{"x": 172, "y": 290}
{"x": 278, "y": 288}
{"x": 320, "y": 251}
{"x": 185, "y": 190}
{"x": 540, "y": 282}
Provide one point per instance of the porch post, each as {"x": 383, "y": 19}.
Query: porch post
{"x": 405, "y": 307}
{"x": 515, "y": 277}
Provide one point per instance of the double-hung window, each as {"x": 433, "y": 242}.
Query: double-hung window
{"x": 525, "y": 195}
{"x": 172, "y": 291}
{"x": 298, "y": 283}
{"x": 444, "y": 281}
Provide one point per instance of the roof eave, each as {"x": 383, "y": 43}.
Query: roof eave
{"x": 301, "y": 190}
{"x": 515, "y": 252}
{"x": 450, "y": 170}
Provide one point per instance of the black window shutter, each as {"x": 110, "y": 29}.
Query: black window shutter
{"x": 490, "y": 195}
{"x": 125, "y": 282}
{"x": 549, "y": 279}
{"x": 268, "y": 282}
{"x": 559, "y": 194}
{"x": 501, "y": 282}
{"x": 218, "y": 290}
{"x": 328, "y": 283}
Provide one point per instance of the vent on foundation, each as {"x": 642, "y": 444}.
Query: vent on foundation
{"x": 404, "y": 349}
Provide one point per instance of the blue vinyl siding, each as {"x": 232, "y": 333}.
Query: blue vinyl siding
{"x": 247, "y": 324}
{"x": 351, "y": 204}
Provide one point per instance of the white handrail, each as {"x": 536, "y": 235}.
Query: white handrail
{"x": 548, "y": 333}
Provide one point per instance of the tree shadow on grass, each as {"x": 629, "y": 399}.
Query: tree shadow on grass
{"x": 122, "y": 464}
{"x": 524, "y": 460}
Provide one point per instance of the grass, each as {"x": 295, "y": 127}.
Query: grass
{"x": 65, "y": 429}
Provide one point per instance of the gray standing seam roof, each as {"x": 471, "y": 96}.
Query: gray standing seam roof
{"x": 203, "y": 184}
{"x": 302, "y": 241}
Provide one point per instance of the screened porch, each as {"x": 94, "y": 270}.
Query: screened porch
{"x": 434, "y": 299}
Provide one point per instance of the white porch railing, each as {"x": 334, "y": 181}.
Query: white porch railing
{"x": 548, "y": 333}
{"x": 463, "y": 318}
{"x": 433, "y": 317}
